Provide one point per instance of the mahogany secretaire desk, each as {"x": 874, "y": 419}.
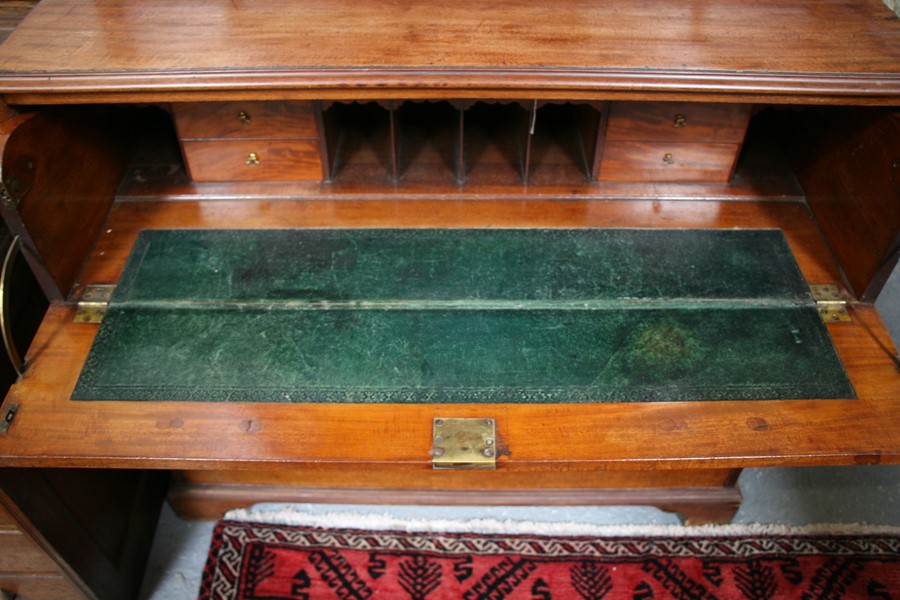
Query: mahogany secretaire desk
{"x": 463, "y": 117}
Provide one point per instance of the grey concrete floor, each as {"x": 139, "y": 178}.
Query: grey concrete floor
{"x": 789, "y": 496}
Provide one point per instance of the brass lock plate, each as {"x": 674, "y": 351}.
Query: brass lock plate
{"x": 464, "y": 444}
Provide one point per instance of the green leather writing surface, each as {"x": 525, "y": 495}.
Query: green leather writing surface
{"x": 461, "y": 316}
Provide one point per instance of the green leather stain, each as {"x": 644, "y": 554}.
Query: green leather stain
{"x": 665, "y": 347}
{"x": 407, "y": 316}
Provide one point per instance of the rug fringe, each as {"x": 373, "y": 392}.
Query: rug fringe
{"x": 388, "y": 522}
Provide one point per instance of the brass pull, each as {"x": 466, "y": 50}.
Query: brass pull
{"x": 244, "y": 117}
{"x": 680, "y": 122}
{"x": 5, "y": 325}
{"x": 252, "y": 160}
{"x": 668, "y": 158}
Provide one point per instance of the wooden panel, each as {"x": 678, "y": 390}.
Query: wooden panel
{"x": 677, "y": 121}
{"x": 667, "y": 161}
{"x": 160, "y": 49}
{"x": 278, "y": 160}
{"x": 98, "y": 525}
{"x": 637, "y": 436}
{"x": 245, "y": 120}
{"x": 62, "y": 169}
{"x": 21, "y": 555}
{"x": 6, "y": 519}
{"x": 848, "y": 162}
{"x": 43, "y": 587}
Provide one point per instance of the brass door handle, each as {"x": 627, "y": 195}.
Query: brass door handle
{"x": 5, "y": 322}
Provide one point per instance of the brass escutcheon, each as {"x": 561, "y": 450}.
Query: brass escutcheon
{"x": 668, "y": 158}
{"x": 252, "y": 159}
{"x": 464, "y": 444}
{"x": 243, "y": 117}
{"x": 679, "y": 122}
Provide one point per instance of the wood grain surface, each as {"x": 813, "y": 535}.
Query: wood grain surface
{"x": 51, "y": 429}
{"x": 678, "y": 121}
{"x": 667, "y": 161}
{"x": 848, "y": 162}
{"x": 253, "y": 160}
{"x": 817, "y": 50}
{"x": 254, "y": 120}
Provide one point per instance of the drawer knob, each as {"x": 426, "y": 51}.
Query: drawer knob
{"x": 668, "y": 158}
{"x": 244, "y": 117}
{"x": 679, "y": 122}
{"x": 252, "y": 159}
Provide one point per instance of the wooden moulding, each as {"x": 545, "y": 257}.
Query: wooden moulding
{"x": 697, "y": 506}
{"x": 702, "y": 496}
{"x": 51, "y": 429}
{"x": 729, "y": 50}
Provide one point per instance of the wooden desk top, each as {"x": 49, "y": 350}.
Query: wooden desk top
{"x": 50, "y": 429}
{"x": 807, "y": 51}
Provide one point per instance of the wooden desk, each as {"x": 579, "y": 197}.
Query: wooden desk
{"x": 818, "y": 79}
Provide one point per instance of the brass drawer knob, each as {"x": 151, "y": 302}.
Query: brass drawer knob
{"x": 244, "y": 117}
{"x": 668, "y": 158}
{"x": 679, "y": 122}
{"x": 252, "y": 159}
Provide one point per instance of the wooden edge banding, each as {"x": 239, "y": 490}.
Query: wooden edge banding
{"x": 698, "y": 505}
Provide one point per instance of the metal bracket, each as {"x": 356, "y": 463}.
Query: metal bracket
{"x": 94, "y": 301}
{"x": 831, "y": 300}
{"x": 464, "y": 444}
{"x": 8, "y": 417}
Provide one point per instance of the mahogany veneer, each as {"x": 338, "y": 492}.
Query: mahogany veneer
{"x": 472, "y": 114}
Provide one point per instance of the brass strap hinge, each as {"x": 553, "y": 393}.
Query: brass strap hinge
{"x": 8, "y": 415}
{"x": 94, "y": 301}
{"x": 831, "y": 300}
{"x": 464, "y": 444}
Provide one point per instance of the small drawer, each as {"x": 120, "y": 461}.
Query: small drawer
{"x": 253, "y": 160}
{"x": 42, "y": 587}
{"x": 214, "y": 120}
{"x": 678, "y": 121}
{"x": 668, "y": 161}
{"x": 20, "y": 554}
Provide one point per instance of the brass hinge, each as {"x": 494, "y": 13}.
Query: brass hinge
{"x": 464, "y": 444}
{"x": 8, "y": 415}
{"x": 831, "y": 300}
{"x": 94, "y": 301}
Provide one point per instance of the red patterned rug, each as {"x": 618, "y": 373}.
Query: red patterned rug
{"x": 256, "y": 561}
